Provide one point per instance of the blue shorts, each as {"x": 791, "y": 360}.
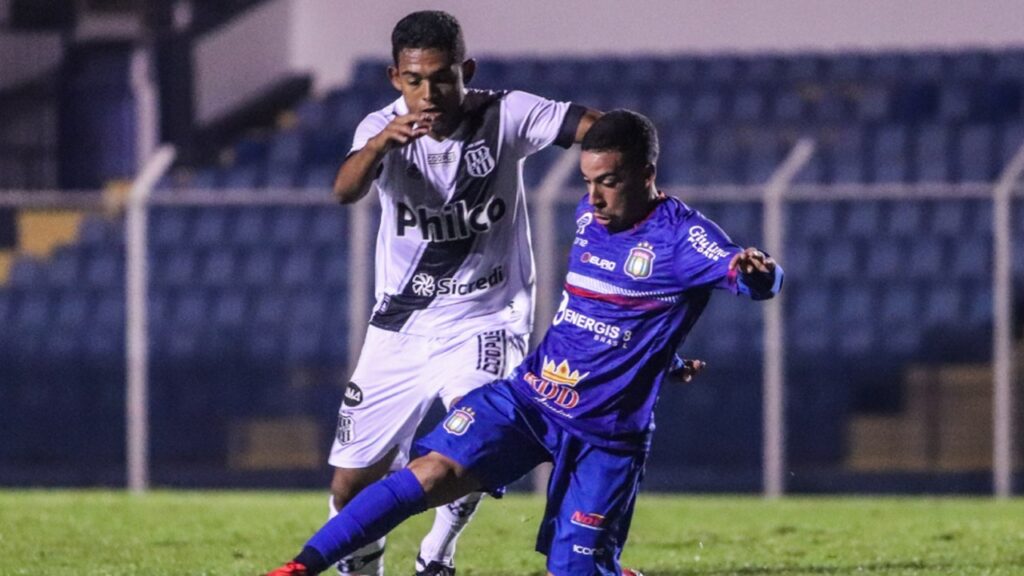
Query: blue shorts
{"x": 499, "y": 437}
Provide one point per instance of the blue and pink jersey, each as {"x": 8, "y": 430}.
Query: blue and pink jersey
{"x": 629, "y": 301}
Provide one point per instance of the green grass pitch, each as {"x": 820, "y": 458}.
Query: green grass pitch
{"x": 225, "y": 533}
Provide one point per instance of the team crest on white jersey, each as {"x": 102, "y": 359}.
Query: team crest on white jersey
{"x": 640, "y": 261}
{"x": 479, "y": 161}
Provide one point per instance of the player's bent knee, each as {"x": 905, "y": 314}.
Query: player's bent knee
{"x": 443, "y": 479}
{"x": 347, "y": 483}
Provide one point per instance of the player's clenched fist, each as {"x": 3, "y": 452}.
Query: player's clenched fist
{"x": 402, "y": 130}
{"x": 752, "y": 260}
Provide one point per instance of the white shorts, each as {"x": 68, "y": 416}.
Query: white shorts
{"x": 397, "y": 378}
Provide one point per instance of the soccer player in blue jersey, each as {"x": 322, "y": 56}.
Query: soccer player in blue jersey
{"x": 641, "y": 271}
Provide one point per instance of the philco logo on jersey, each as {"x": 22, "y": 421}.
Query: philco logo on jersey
{"x": 588, "y": 258}
{"x": 452, "y": 222}
{"x": 603, "y": 332}
{"x": 479, "y": 161}
{"x": 640, "y": 261}
{"x": 423, "y": 284}
{"x": 588, "y": 520}
{"x": 556, "y": 383}
{"x": 353, "y": 395}
{"x": 459, "y": 421}
{"x": 707, "y": 248}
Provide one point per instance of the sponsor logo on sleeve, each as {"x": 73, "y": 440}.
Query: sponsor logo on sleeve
{"x": 640, "y": 261}
{"x": 353, "y": 395}
{"x": 459, "y": 421}
{"x": 698, "y": 238}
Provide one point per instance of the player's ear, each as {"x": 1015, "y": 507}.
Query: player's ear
{"x": 650, "y": 171}
{"x": 395, "y": 79}
{"x": 468, "y": 70}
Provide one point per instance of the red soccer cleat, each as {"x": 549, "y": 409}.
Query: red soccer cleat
{"x": 290, "y": 569}
{"x": 631, "y": 572}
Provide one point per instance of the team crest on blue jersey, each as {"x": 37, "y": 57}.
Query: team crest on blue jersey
{"x": 479, "y": 161}
{"x": 640, "y": 261}
{"x": 459, "y": 421}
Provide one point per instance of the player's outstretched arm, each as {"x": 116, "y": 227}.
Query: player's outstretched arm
{"x": 359, "y": 170}
{"x": 760, "y": 275}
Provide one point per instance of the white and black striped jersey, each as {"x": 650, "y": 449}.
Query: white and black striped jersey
{"x": 453, "y": 249}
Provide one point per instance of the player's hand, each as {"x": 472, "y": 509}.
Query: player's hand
{"x": 687, "y": 370}
{"x": 402, "y": 130}
{"x": 752, "y": 260}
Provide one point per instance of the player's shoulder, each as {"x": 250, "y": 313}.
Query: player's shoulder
{"x": 674, "y": 211}
{"x": 382, "y": 116}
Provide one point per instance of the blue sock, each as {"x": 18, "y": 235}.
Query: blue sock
{"x": 373, "y": 513}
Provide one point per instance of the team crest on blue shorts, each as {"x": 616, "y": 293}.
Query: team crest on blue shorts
{"x": 459, "y": 421}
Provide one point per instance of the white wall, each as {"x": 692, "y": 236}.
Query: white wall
{"x": 238, "y": 62}
{"x": 328, "y": 35}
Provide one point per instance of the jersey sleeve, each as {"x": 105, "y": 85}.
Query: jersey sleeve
{"x": 703, "y": 255}
{"x": 368, "y": 128}
{"x": 536, "y": 123}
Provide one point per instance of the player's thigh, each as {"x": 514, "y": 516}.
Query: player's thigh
{"x": 384, "y": 402}
{"x": 486, "y": 434}
{"x": 460, "y": 365}
{"x": 591, "y": 496}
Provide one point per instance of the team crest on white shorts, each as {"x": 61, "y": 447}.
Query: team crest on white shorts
{"x": 459, "y": 421}
{"x": 346, "y": 428}
{"x": 479, "y": 161}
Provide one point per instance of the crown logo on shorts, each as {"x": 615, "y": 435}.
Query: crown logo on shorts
{"x": 560, "y": 374}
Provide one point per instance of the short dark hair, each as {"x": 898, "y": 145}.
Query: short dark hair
{"x": 625, "y": 131}
{"x": 429, "y": 29}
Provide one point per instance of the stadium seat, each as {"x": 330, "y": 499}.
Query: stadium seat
{"x": 872, "y": 103}
{"x": 298, "y": 268}
{"x": 169, "y": 227}
{"x": 219, "y": 268}
{"x": 839, "y": 260}
{"x": 972, "y": 258}
{"x": 886, "y": 260}
{"x": 286, "y": 149}
{"x": 748, "y": 105}
{"x": 64, "y": 268}
{"x": 176, "y": 268}
{"x": 931, "y": 154}
{"x": 191, "y": 310}
{"x": 105, "y": 270}
{"x": 259, "y": 267}
{"x": 210, "y": 227}
{"x": 229, "y": 308}
{"x": 974, "y": 153}
{"x": 947, "y": 218}
{"x": 927, "y": 259}
{"x": 1009, "y": 65}
{"x": 815, "y": 220}
{"x": 243, "y": 176}
{"x": 289, "y": 226}
{"x": 943, "y": 307}
{"x": 846, "y": 67}
{"x": 905, "y": 218}
{"x": 954, "y": 103}
{"x": 889, "y": 153}
{"x": 900, "y": 304}
{"x": 845, "y": 152}
{"x": 863, "y": 219}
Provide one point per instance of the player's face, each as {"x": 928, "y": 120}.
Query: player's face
{"x": 620, "y": 193}
{"x": 432, "y": 82}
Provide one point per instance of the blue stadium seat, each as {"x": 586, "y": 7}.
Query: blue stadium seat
{"x": 229, "y": 309}
{"x": 1012, "y": 140}
{"x": 677, "y": 163}
{"x": 708, "y": 107}
{"x": 252, "y": 150}
{"x": 320, "y": 177}
{"x": 943, "y": 307}
{"x": 244, "y": 177}
{"x": 974, "y": 153}
{"x": 905, "y": 218}
{"x": 333, "y": 268}
{"x": 210, "y": 227}
{"x": 954, "y": 103}
{"x": 863, "y": 219}
{"x": 219, "y": 268}
{"x": 720, "y": 69}
{"x": 64, "y": 269}
{"x": 846, "y": 67}
{"x": 289, "y": 226}
{"x": 927, "y": 259}
{"x": 845, "y": 152}
{"x": 872, "y": 103}
{"x": 311, "y": 113}
{"x": 886, "y": 260}
{"x": 789, "y": 105}
{"x": 666, "y": 108}
{"x": 812, "y": 304}
{"x": 271, "y": 309}
{"x": 900, "y": 304}
{"x": 902, "y": 340}
{"x": 979, "y": 306}
{"x": 1009, "y": 65}
{"x": 856, "y": 303}
{"x": 889, "y": 160}
{"x": 298, "y": 268}
{"x": 250, "y": 227}
{"x": 681, "y": 71}
{"x": 799, "y": 260}
{"x": 762, "y": 155}
{"x": 947, "y": 218}
{"x": 927, "y": 66}
{"x": 169, "y": 227}
{"x": 191, "y": 310}
{"x": 971, "y": 67}
{"x": 815, "y": 220}
{"x": 723, "y": 157}
{"x": 177, "y": 268}
{"x": 749, "y": 105}
{"x": 802, "y": 68}
{"x": 931, "y": 154}
{"x": 206, "y": 179}
{"x": 109, "y": 312}
{"x": 105, "y": 270}
{"x": 839, "y": 260}
{"x": 286, "y": 149}
{"x": 260, "y": 267}
{"x": 857, "y": 339}
{"x": 72, "y": 310}
{"x": 96, "y": 231}
{"x": 328, "y": 227}
{"x": 280, "y": 177}
{"x": 763, "y": 70}
{"x": 972, "y": 258}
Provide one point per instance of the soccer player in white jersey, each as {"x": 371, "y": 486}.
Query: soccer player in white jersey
{"x": 454, "y": 270}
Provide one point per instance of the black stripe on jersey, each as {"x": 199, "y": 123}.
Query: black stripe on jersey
{"x": 567, "y": 131}
{"x": 443, "y": 259}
